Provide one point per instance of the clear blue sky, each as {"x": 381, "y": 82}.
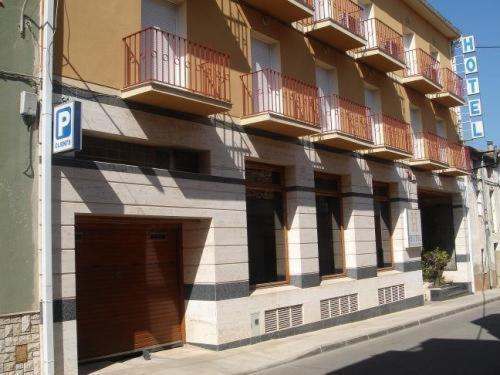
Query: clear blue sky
{"x": 481, "y": 18}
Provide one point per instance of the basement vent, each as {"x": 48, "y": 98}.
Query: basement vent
{"x": 337, "y": 306}
{"x": 391, "y": 294}
{"x": 283, "y": 318}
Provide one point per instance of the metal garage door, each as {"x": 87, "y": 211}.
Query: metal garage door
{"x": 127, "y": 285}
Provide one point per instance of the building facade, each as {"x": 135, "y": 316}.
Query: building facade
{"x": 484, "y": 206}
{"x": 250, "y": 169}
{"x": 19, "y": 307}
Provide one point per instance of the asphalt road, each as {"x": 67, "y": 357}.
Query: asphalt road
{"x": 466, "y": 343}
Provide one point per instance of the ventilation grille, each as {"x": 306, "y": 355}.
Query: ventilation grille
{"x": 391, "y": 294}
{"x": 283, "y": 318}
{"x": 337, "y": 306}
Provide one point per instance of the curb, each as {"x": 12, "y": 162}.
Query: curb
{"x": 384, "y": 332}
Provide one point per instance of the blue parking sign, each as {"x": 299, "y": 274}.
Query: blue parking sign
{"x": 67, "y": 130}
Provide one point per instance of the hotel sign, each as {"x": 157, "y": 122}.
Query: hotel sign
{"x": 471, "y": 114}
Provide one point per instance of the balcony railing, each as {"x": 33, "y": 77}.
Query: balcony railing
{"x": 420, "y": 63}
{"x": 383, "y": 37}
{"x": 431, "y": 147}
{"x": 153, "y": 55}
{"x": 459, "y": 157}
{"x": 342, "y": 115}
{"x": 345, "y": 13}
{"x": 267, "y": 91}
{"x": 307, "y": 3}
{"x": 393, "y": 133}
{"x": 452, "y": 82}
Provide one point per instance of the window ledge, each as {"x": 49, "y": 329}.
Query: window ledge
{"x": 337, "y": 280}
{"x": 272, "y": 289}
{"x": 388, "y": 272}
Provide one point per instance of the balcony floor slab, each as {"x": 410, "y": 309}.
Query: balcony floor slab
{"x": 175, "y": 98}
{"x": 447, "y": 99}
{"x": 387, "y": 153}
{"x": 427, "y": 164}
{"x": 454, "y": 172}
{"x": 341, "y": 141}
{"x": 380, "y": 60}
{"x": 279, "y": 124}
{"x": 335, "y": 35}
{"x": 285, "y": 10}
{"x": 422, "y": 84}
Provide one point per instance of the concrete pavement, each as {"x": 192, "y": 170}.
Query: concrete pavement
{"x": 251, "y": 359}
{"x": 465, "y": 343}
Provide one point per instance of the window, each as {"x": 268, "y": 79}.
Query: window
{"x": 266, "y": 227}
{"x": 383, "y": 227}
{"x": 112, "y": 151}
{"x": 329, "y": 225}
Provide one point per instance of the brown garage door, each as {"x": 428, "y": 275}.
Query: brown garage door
{"x": 127, "y": 285}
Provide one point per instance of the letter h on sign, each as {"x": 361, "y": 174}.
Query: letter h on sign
{"x": 468, "y": 44}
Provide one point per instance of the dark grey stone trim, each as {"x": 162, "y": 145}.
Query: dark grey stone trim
{"x": 327, "y": 323}
{"x": 405, "y": 200}
{"x": 362, "y": 272}
{"x": 216, "y": 292}
{"x": 300, "y": 188}
{"x": 357, "y": 195}
{"x": 462, "y": 258}
{"x": 411, "y": 266}
{"x": 305, "y": 281}
{"x": 89, "y": 164}
{"x": 64, "y": 310}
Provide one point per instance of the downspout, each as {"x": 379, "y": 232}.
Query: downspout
{"x": 45, "y": 132}
{"x": 486, "y": 219}
{"x": 469, "y": 233}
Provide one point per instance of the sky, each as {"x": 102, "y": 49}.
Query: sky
{"x": 481, "y": 18}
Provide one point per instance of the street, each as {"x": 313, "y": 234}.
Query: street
{"x": 465, "y": 343}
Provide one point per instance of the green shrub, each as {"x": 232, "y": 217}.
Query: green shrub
{"x": 433, "y": 264}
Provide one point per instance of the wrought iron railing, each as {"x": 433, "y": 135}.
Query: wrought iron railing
{"x": 153, "y": 55}
{"x": 270, "y": 91}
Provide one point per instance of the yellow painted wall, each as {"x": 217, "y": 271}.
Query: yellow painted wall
{"x": 89, "y": 47}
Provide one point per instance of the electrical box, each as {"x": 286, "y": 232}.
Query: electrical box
{"x": 28, "y": 104}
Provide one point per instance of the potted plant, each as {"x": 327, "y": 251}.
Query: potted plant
{"x": 433, "y": 264}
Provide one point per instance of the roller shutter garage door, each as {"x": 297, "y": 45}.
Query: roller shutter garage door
{"x": 127, "y": 285}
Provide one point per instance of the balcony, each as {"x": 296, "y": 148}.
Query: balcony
{"x": 165, "y": 70}
{"x": 384, "y": 49}
{"x": 392, "y": 139}
{"x": 279, "y": 104}
{"x": 459, "y": 161}
{"x": 338, "y": 23}
{"x": 344, "y": 124}
{"x": 286, "y": 10}
{"x": 422, "y": 72}
{"x": 453, "y": 93}
{"x": 430, "y": 152}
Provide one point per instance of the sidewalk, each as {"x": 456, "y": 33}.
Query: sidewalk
{"x": 249, "y": 359}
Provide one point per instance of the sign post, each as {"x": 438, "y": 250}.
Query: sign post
{"x": 67, "y": 129}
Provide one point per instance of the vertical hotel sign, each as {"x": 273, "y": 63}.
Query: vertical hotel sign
{"x": 471, "y": 115}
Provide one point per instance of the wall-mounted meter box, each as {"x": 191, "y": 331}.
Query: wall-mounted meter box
{"x": 28, "y": 104}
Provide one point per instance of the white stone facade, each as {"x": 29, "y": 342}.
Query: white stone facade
{"x": 215, "y": 251}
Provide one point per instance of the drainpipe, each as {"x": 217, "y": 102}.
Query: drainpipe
{"x": 486, "y": 218}
{"x": 45, "y": 134}
{"x": 468, "y": 184}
